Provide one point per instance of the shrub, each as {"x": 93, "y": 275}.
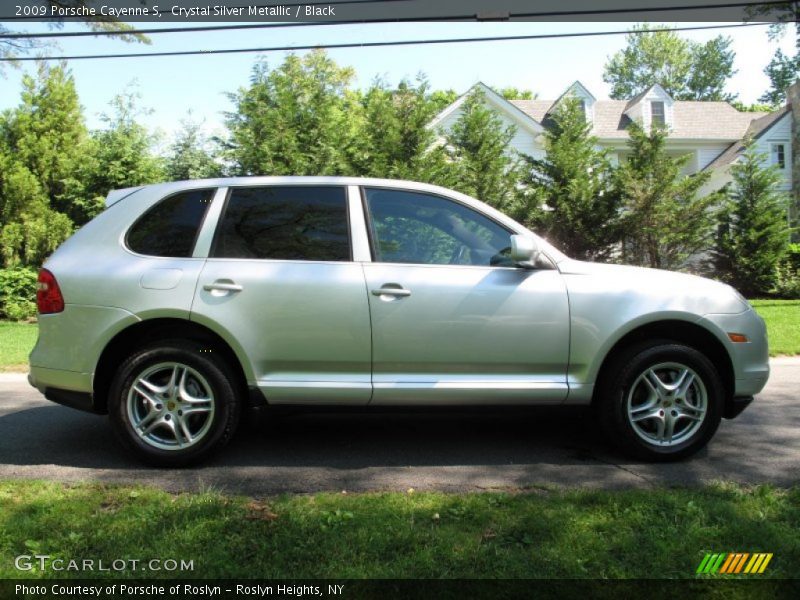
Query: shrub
{"x": 18, "y": 293}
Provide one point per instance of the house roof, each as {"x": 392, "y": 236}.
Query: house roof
{"x": 691, "y": 119}
{"x": 757, "y": 128}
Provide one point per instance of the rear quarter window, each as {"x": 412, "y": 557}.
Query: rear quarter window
{"x": 170, "y": 227}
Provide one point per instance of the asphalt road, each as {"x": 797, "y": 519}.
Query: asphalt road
{"x": 448, "y": 451}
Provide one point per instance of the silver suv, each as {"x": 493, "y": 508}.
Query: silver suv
{"x": 184, "y": 304}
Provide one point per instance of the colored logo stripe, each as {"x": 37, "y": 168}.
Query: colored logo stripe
{"x": 734, "y": 562}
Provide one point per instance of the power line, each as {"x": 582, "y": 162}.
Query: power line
{"x": 462, "y": 17}
{"x": 381, "y": 44}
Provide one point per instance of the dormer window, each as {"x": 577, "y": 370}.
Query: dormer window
{"x": 657, "y": 114}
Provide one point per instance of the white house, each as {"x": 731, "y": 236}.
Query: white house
{"x": 712, "y": 133}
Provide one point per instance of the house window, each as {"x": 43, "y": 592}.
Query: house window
{"x": 582, "y": 106}
{"x": 779, "y": 155}
{"x": 657, "y": 111}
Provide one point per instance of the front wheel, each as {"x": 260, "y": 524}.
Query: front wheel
{"x": 661, "y": 401}
{"x": 173, "y": 403}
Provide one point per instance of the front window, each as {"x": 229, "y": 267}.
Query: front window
{"x": 658, "y": 115}
{"x": 779, "y": 155}
{"x": 285, "y": 223}
{"x": 416, "y": 228}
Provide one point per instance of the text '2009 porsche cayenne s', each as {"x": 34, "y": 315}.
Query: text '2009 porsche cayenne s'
{"x": 183, "y": 305}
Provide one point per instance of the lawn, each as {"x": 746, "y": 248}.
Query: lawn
{"x": 16, "y": 342}
{"x": 539, "y": 532}
{"x": 783, "y": 324}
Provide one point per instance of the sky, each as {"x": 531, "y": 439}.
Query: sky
{"x": 174, "y": 87}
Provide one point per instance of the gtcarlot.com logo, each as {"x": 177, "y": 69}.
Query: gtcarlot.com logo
{"x": 733, "y": 563}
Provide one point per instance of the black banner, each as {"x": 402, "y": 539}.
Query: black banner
{"x": 387, "y": 589}
{"x": 367, "y": 11}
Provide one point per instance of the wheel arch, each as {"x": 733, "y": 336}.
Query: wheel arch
{"x": 685, "y": 332}
{"x": 151, "y": 330}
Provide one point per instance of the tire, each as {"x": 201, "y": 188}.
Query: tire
{"x": 173, "y": 403}
{"x": 636, "y": 412}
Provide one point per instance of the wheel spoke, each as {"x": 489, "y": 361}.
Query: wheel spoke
{"x": 197, "y": 409}
{"x": 644, "y": 415}
{"x": 184, "y": 394}
{"x": 148, "y": 424}
{"x": 683, "y": 384}
{"x": 655, "y": 383}
{"x": 182, "y": 426}
{"x": 669, "y": 428}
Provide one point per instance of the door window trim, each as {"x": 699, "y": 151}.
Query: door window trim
{"x": 224, "y": 206}
{"x": 371, "y": 227}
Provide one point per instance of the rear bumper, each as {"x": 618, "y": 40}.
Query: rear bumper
{"x": 64, "y": 387}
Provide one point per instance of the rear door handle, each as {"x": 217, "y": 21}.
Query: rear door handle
{"x": 219, "y": 286}
{"x": 387, "y": 291}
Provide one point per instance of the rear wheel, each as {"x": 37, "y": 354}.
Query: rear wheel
{"x": 661, "y": 401}
{"x": 173, "y": 403}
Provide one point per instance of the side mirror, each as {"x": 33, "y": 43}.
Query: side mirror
{"x": 524, "y": 251}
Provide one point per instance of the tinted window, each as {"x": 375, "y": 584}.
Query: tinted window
{"x": 409, "y": 227}
{"x": 289, "y": 223}
{"x": 171, "y": 226}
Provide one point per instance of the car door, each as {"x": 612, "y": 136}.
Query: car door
{"x": 281, "y": 287}
{"x": 453, "y": 320}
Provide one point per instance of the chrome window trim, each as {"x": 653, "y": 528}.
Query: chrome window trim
{"x": 206, "y": 236}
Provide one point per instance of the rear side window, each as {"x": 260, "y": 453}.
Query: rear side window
{"x": 170, "y": 227}
{"x": 286, "y": 223}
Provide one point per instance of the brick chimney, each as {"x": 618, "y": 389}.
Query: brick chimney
{"x": 793, "y": 99}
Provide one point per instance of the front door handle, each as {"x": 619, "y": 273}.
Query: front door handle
{"x": 220, "y": 286}
{"x": 391, "y": 291}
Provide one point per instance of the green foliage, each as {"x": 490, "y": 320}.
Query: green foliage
{"x": 575, "y": 181}
{"x": 786, "y": 282}
{"x": 121, "y": 154}
{"x": 42, "y": 142}
{"x": 190, "y": 155}
{"x": 752, "y": 234}
{"x": 512, "y": 93}
{"x": 782, "y": 71}
{"x": 292, "y": 120}
{"x": 393, "y": 139}
{"x": 479, "y": 146}
{"x": 665, "y": 221}
{"x": 755, "y": 107}
{"x": 687, "y": 70}
{"x": 18, "y": 293}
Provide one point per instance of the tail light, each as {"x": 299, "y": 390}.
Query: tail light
{"x": 48, "y": 294}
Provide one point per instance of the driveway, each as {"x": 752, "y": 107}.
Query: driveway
{"x": 448, "y": 451}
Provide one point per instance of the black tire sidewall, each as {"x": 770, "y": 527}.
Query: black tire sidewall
{"x": 216, "y": 373}
{"x": 633, "y": 364}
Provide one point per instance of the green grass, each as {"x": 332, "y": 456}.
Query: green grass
{"x": 530, "y": 533}
{"x": 783, "y": 324}
{"x": 782, "y": 317}
{"x": 16, "y": 342}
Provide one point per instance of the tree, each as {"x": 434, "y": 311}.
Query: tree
{"x": 687, "y": 70}
{"x": 782, "y": 71}
{"x": 665, "y": 221}
{"x": 575, "y": 181}
{"x": 43, "y": 145}
{"x": 393, "y": 138}
{"x": 512, "y": 93}
{"x": 121, "y": 153}
{"x": 753, "y": 232}
{"x": 292, "y": 120}
{"x": 479, "y": 146}
{"x": 190, "y": 155}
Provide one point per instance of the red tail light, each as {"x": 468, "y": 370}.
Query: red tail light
{"x": 48, "y": 294}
